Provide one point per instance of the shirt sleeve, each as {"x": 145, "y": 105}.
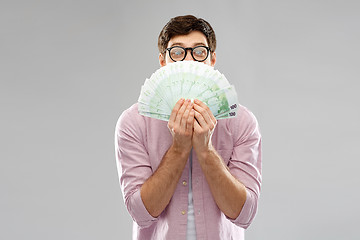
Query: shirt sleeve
{"x": 245, "y": 164}
{"x": 133, "y": 165}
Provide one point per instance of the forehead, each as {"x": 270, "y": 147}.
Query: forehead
{"x": 190, "y": 40}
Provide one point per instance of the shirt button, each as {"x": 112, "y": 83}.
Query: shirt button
{"x": 184, "y": 183}
{"x": 183, "y": 212}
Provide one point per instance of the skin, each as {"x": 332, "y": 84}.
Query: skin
{"x": 192, "y": 125}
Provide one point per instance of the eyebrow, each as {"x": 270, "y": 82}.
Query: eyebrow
{"x": 181, "y": 44}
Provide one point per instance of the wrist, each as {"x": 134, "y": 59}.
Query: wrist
{"x": 180, "y": 151}
{"x": 205, "y": 153}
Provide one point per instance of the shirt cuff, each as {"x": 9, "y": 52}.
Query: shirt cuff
{"x": 139, "y": 213}
{"x": 247, "y": 212}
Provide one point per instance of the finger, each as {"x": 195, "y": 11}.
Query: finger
{"x": 174, "y": 112}
{"x": 201, "y": 121}
{"x": 190, "y": 121}
{"x": 197, "y": 127}
{"x": 180, "y": 113}
{"x": 211, "y": 115}
{"x": 186, "y": 116}
{"x": 200, "y": 103}
{"x": 204, "y": 112}
{"x": 175, "y": 109}
{"x": 203, "y": 105}
{"x": 213, "y": 118}
{"x": 215, "y": 122}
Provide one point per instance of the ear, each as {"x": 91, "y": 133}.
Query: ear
{"x": 162, "y": 60}
{"x": 213, "y": 59}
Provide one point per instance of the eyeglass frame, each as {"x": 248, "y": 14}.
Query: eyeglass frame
{"x": 186, "y": 50}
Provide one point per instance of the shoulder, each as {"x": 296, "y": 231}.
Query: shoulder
{"x": 131, "y": 112}
{"x": 131, "y": 122}
{"x": 128, "y": 113}
{"x": 130, "y": 119}
{"x": 243, "y": 125}
{"x": 243, "y": 117}
{"x": 246, "y": 116}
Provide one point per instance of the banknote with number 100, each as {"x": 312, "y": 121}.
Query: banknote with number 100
{"x": 188, "y": 80}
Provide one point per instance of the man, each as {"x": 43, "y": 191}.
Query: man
{"x": 192, "y": 177}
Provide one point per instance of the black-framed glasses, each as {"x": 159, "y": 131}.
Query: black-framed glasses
{"x": 198, "y": 53}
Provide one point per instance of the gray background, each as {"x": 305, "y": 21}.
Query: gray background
{"x": 69, "y": 68}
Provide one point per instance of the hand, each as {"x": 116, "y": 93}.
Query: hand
{"x": 181, "y": 125}
{"x": 204, "y": 126}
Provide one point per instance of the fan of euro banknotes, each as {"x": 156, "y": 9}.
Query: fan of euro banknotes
{"x": 188, "y": 80}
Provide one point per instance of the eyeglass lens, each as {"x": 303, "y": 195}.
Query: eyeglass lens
{"x": 199, "y": 53}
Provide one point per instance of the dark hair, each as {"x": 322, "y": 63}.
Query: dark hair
{"x": 183, "y": 25}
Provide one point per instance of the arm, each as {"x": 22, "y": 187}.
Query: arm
{"x": 133, "y": 164}
{"x": 147, "y": 193}
{"x": 157, "y": 191}
{"x": 234, "y": 189}
{"x": 229, "y": 193}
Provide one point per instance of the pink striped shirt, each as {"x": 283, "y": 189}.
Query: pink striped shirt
{"x": 140, "y": 144}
